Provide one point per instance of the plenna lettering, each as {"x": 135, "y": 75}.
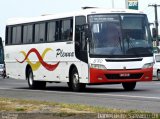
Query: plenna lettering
{"x": 61, "y": 53}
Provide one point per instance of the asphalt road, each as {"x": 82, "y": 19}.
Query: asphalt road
{"x": 145, "y": 97}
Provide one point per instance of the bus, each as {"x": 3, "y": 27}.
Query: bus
{"x": 88, "y": 47}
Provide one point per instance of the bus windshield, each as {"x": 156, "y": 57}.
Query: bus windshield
{"x": 122, "y": 35}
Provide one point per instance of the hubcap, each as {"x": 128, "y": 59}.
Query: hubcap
{"x": 30, "y": 79}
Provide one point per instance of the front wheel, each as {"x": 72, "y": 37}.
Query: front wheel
{"x": 34, "y": 84}
{"x": 4, "y": 74}
{"x": 129, "y": 86}
{"x": 74, "y": 83}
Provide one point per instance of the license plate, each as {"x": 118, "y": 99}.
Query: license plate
{"x": 124, "y": 75}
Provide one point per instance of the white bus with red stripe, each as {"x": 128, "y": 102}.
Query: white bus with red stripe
{"x": 92, "y": 46}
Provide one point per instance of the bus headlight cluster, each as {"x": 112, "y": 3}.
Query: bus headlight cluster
{"x": 148, "y": 65}
{"x": 97, "y": 66}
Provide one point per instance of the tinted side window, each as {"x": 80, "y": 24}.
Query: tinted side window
{"x": 16, "y": 35}
{"x": 14, "y": 31}
{"x": 28, "y": 34}
{"x": 64, "y": 29}
{"x": 36, "y": 35}
{"x": 40, "y": 32}
{"x": 58, "y": 30}
{"x": 51, "y": 31}
{"x": 8, "y": 35}
{"x": 19, "y": 35}
{"x": 67, "y": 28}
{"x": 25, "y": 30}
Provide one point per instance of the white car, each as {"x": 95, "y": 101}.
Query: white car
{"x": 156, "y": 66}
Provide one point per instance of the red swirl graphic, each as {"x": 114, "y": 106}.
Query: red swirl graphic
{"x": 49, "y": 67}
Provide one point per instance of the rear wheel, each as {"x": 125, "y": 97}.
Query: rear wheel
{"x": 4, "y": 74}
{"x": 129, "y": 86}
{"x": 74, "y": 83}
{"x": 34, "y": 84}
{"x": 158, "y": 74}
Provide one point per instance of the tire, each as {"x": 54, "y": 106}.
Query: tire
{"x": 158, "y": 74}
{"x": 129, "y": 86}
{"x": 4, "y": 74}
{"x": 34, "y": 84}
{"x": 74, "y": 81}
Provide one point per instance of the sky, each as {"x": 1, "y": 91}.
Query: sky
{"x": 32, "y": 8}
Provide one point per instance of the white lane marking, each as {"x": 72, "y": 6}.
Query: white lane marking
{"x": 90, "y": 94}
{"x": 157, "y": 83}
{"x": 128, "y": 96}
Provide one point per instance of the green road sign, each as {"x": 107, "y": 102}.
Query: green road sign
{"x": 133, "y": 4}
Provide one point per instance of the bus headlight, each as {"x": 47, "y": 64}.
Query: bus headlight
{"x": 148, "y": 65}
{"x": 97, "y": 66}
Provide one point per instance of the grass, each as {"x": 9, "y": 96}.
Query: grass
{"x": 60, "y": 109}
{"x": 7, "y": 104}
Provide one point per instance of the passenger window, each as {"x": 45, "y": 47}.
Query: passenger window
{"x": 67, "y": 30}
{"x": 28, "y": 34}
{"x": 64, "y": 29}
{"x": 51, "y": 31}
{"x": 40, "y": 32}
{"x": 8, "y": 40}
{"x": 17, "y": 35}
{"x": 14, "y": 35}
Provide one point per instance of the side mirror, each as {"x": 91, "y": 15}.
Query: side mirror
{"x": 1, "y": 42}
{"x": 151, "y": 24}
{"x": 154, "y": 32}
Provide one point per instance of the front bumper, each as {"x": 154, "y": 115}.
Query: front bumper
{"x": 119, "y": 76}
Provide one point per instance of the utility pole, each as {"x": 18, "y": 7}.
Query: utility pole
{"x": 126, "y": 4}
{"x": 113, "y": 4}
{"x": 156, "y": 21}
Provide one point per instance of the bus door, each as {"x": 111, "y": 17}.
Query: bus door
{"x": 81, "y": 47}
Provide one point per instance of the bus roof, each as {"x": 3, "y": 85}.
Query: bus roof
{"x": 85, "y": 12}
